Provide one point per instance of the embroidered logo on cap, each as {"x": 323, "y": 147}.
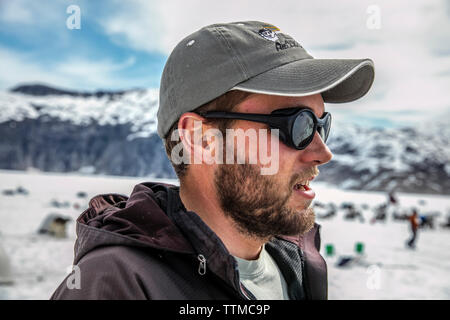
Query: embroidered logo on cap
{"x": 268, "y": 34}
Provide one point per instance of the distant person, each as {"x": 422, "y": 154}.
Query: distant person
{"x": 392, "y": 198}
{"x": 414, "y": 223}
{"x": 229, "y": 231}
{"x": 427, "y": 221}
{"x": 446, "y": 224}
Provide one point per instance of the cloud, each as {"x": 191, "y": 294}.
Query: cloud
{"x": 97, "y": 71}
{"x": 40, "y": 13}
{"x": 74, "y": 72}
{"x": 15, "y": 12}
{"x": 411, "y": 50}
{"x": 158, "y": 26}
{"x": 17, "y": 68}
{"x": 412, "y": 80}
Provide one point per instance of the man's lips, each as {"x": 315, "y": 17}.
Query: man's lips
{"x": 303, "y": 183}
{"x": 303, "y": 189}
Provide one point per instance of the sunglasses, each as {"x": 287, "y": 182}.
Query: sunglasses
{"x": 297, "y": 125}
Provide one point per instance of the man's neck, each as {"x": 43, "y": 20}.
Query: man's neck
{"x": 205, "y": 204}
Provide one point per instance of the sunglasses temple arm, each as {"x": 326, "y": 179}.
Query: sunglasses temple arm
{"x": 271, "y": 120}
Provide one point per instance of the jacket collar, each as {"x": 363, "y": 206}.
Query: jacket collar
{"x": 203, "y": 239}
{"x": 222, "y": 263}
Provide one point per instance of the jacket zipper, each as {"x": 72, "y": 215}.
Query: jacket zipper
{"x": 202, "y": 265}
{"x": 242, "y": 289}
{"x": 202, "y": 271}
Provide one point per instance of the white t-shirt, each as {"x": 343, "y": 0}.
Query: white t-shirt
{"x": 262, "y": 277}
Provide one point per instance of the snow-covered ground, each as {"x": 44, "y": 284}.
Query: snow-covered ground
{"x": 387, "y": 270}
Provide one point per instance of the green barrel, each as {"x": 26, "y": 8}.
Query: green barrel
{"x": 359, "y": 248}
{"x": 329, "y": 250}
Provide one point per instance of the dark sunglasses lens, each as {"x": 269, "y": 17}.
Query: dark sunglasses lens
{"x": 326, "y": 128}
{"x": 321, "y": 131}
{"x": 302, "y": 130}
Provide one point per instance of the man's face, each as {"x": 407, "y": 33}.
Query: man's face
{"x": 263, "y": 206}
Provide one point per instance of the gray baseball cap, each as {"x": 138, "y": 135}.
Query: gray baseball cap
{"x": 256, "y": 57}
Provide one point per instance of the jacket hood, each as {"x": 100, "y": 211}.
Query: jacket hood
{"x": 139, "y": 221}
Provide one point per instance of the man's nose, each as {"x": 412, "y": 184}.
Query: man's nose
{"x": 317, "y": 153}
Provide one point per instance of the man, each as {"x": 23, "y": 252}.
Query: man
{"x": 414, "y": 224}
{"x": 236, "y": 229}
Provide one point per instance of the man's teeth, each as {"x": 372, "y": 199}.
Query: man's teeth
{"x": 303, "y": 186}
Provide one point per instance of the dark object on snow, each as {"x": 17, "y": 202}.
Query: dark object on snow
{"x": 427, "y": 221}
{"x": 319, "y": 204}
{"x": 5, "y": 268}
{"x": 380, "y": 213}
{"x": 344, "y": 261}
{"x": 392, "y": 198}
{"x": 8, "y": 192}
{"x": 326, "y": 211}
{"x": 347, "y": 205}
{"x": 57, "y": 204}
{"x": 353, "y": 213}
{"x": 399, "y": 216}
{"x": 19, "y": 190}
{"x": 329, "y": 213}
{"x": 81, "y": 194}
{"x": 22, "y": 190}
{"x": 447, "y": 223}
{"x": 54, "y": 225}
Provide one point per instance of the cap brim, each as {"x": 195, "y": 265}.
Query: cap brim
{"x": 338, "y": 80}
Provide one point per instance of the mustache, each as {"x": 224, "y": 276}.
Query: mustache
{"x": 305, "y": 174}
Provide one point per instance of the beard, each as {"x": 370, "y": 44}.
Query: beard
{"x": 258, "y": 204}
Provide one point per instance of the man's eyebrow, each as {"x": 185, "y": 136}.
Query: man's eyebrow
{"x": 306, "y": 107}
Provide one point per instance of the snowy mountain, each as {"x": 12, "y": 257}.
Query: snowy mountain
{"x": 63, "y": 131}
{"x": 115, "y": 133}
{"x": 406, "y": 159}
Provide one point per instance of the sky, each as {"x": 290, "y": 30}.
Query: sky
{"x": 125, "y": 44}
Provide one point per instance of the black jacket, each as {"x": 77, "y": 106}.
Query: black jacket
{"x": 148, "y": 246}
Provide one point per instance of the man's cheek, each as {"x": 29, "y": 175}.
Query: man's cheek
{"x": 269, "y": 151}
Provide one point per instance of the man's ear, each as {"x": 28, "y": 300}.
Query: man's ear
{"x": 190, "y": 130}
